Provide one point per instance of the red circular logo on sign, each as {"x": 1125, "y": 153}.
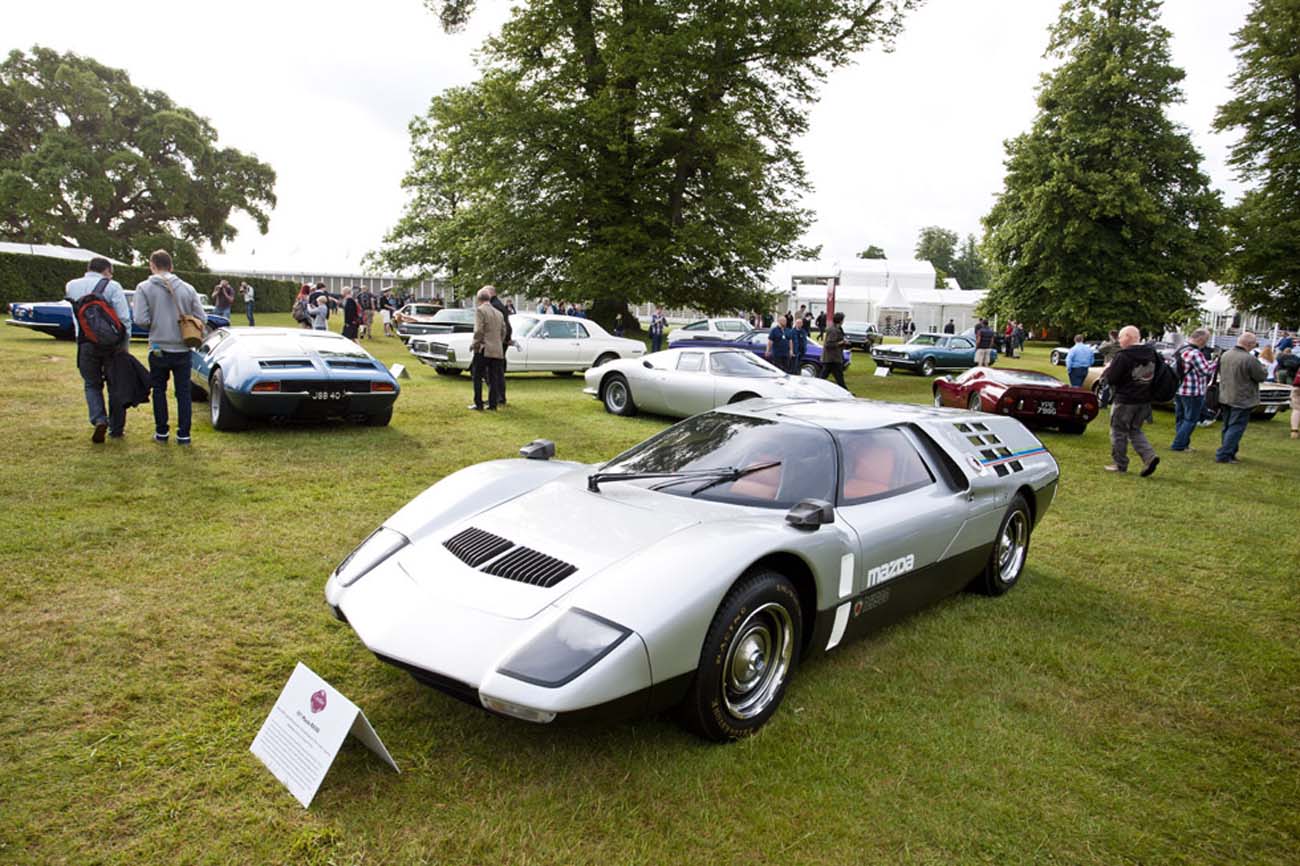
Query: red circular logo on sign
{"x": 318, "y": 701}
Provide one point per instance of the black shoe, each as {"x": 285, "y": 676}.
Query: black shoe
{"x": 118, "y": 434}
{"x": 1150, "y": 467}
{"x": 182, "y": 440}
{"x": 474, "y": 407}
{"x": 160, "y": 438}
{"x": 98, "y": 436}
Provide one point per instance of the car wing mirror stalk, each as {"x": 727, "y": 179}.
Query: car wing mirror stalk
{"x": 538, "y": 449}
{"x": 810, "y": 514}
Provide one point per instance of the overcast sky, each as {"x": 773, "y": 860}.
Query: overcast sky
{"x": 323, "y": 92}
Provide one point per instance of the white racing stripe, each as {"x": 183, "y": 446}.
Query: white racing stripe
{"x": 846, "y": 574}
{"x": 837, "y": 630}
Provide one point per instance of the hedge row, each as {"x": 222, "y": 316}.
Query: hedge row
{"x": 40, "y": 278}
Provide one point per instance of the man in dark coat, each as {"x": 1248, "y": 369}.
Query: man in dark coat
{"x": 1130, "y": 375}
{"x": 500, "y": 369}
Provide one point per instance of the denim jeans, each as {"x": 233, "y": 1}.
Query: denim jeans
{"x": 1187, "y": 414}
{"x": 177, "y": 366}
{"x": 656, "y": 342}
{"x": 1077, "y": 375}
{"x": 1234, "y": 424}
{"x": 223, "y": 312}
{"x": 248, "y": 311}
{"x": 92, "y": 363}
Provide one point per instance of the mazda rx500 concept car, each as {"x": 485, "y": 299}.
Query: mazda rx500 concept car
{"x": 699, "y": 567}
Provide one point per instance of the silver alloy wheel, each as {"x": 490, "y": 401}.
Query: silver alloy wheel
{"x": 1012, "y": 545}
{"x": 758, "y": 661}
{"x": 927, "y": 367}
{"x": 973, "y": 403}
{"x": 616, "y": 396}
{"x": 808, "y": 371}
{"x": 214, "y": 400}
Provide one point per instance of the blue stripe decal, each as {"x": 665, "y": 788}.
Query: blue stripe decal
{"x": 1018, "y": 455}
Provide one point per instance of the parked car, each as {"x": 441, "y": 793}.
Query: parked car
{"x": 690, "y": 379}
{"x": 1059, "y": 353}
{"x": 559, "y": 344}
{"x": 416, "y": 312}
{"x": 717, "y": 329}
{"x": 861, "y": 335}
{"x": 1035, "y": 399}
{"x": 755, "y": 340}
{"x": 289, "y": 373}
{"x": 55, "y": 318}
{"x": 926, "y": 353}
{"x": 449, "y": 321}
{"x": 698, "y": 568}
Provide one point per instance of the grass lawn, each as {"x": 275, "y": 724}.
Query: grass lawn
{"x": 1136, "y": 699}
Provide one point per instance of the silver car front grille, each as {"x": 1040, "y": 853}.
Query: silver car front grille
{"x": 475, "y": 547}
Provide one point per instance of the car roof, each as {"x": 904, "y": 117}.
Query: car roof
{"x": 280, "y": 333}
{"x": 856, "y": 414}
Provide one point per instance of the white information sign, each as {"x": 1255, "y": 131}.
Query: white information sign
{"x": 306, "y": 729}
{"x": 882, "y": 371}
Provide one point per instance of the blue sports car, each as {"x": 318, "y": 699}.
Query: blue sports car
{"x": 756, "y": 341}
{"x": 55, "y": 318}
{"x": 289, "y": 373}
{"x": 926, "y": 353}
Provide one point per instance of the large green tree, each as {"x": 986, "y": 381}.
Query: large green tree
{"x": 968, "y": 267}
{"x": 872, "y": 252}
{"x": 1105, "y": 217}
{"x": 938, "y": 246}
{"x": 87, "y": 158}
{"x": 640, "y": 150}
{"x": 1264, "y": 261}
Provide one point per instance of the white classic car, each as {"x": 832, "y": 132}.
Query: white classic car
{"x": 688, "y": 380}
{"x": 556, "y": 344}
{"x": 712, "y": 329}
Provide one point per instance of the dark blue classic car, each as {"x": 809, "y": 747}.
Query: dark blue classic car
{"x": 55, "y": 318}
{"x": 289, "y": 373}
{"x": 756, "y": 341}
{"x": 926, "y": 353}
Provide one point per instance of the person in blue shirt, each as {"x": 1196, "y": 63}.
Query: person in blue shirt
{"x": 798, "y": 345}
{"x": 94, "y": 360}
{"x": 1078, "y": 360}
{"x": 778, "y": 345}
{"x": 1286, "y": 341}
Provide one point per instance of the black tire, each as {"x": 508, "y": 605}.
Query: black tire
{"x": 1264, "y": 417}
{"x": 973, "y": 403}
{"x": 742, "y": 396}
{"x": 563, "y": 374}
{"x": 1074, "y": 428}
{"x": 927, "y": 366}
{"x": 1010, "y": 550}
{"x": 605, "y": 359}
{"x": 447, "y": 371}
{"x": 750, "y": 652}
{"x": 1057, "y": 358}
{"x": 380, "y": 418}
{"x": 617, "y": 395}
{"x": 224, "y": 416}
{"x": 811, "y": 369}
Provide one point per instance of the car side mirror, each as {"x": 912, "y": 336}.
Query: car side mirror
{"x": 810, "y": 514}
{"x": 538, "y": 449}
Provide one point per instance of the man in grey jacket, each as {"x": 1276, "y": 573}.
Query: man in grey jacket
{"x": 159, "y": 303}
{"x": 93, "y": 361}
{"x": 1239, "y": 378}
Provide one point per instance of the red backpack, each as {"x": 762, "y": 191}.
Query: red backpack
{"x": 96, "y": 319}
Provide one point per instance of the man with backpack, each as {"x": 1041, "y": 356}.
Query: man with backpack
{"x": 1130, "y": 376}
{"x": 1194, "y": 373}
{"x": 159, "y": 304}
{"x": 102, "y": 319}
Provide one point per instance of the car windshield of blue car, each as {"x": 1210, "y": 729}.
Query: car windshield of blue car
{"x": 745, "y": 364}
{"x": 924, "y": 340}
{"x": 799, "y": 460}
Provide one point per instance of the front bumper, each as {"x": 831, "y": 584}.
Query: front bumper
{"x": 458, "y": 650}
{"x": 301, "y": 404}
{"x": 895, "y": 360}
{"x": 54, "y": 329}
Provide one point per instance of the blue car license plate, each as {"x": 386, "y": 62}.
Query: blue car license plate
{"x": 328, "y": 395}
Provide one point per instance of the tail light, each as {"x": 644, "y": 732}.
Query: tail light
{"x": 382, "y": 388}
{"x": 266, "y": 387}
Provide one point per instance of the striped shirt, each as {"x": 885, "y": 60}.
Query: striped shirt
{"x": 1197, "y": 372}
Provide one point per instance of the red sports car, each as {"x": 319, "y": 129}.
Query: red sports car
{"x": 1035, "y": 399}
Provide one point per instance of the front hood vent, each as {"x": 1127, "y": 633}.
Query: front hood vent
{"x": 528, "y": 566}
{"x": 475, "y": 547}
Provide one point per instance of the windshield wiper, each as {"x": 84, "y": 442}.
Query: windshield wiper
{"x": 594, "y": 480}
{"x": 735, "y": 474}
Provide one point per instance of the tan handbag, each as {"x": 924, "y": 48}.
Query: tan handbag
{"x": 192, "y": 327}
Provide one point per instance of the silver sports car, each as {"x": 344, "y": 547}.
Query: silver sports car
{"x": 689, "y": 380}
{"x": 699, "y": 567}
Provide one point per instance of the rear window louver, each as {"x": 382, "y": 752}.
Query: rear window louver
{"x": 475, "y": 547}
{"x": 353, "y": 365}
{"x": 529, "y": 566}
{"x": 276, "y": 365}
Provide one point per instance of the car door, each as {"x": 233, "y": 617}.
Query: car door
{"x": 960, "y": 353}
{"x": 552, "y": 345}
{"x": 906, "y": 509}
{"x": 586, "y": 347}
{"x": 690, "y": 390}
{"x": 202, "y": 357}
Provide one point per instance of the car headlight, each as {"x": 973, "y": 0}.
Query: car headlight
{"x": 378, "y": 546}
{"x": 564, "y": 649}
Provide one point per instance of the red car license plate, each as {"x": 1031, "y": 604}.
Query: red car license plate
{"x": 1046, "y": 408}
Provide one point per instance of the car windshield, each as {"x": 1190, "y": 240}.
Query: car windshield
{"x": 521, "y": 325}
{"x": 454, "y": 316}
{"x": 803, "y": 460}
{"x": 924, "y": 340}
{"x": 855, "y": 327}
{"x": 745, "y": 364}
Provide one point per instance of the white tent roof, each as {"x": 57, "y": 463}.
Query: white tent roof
{"x": 76, "y": 254}
{"x": 894, "y": 298}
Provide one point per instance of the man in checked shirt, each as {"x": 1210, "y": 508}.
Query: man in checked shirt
{"x": 1189, "y": 360}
